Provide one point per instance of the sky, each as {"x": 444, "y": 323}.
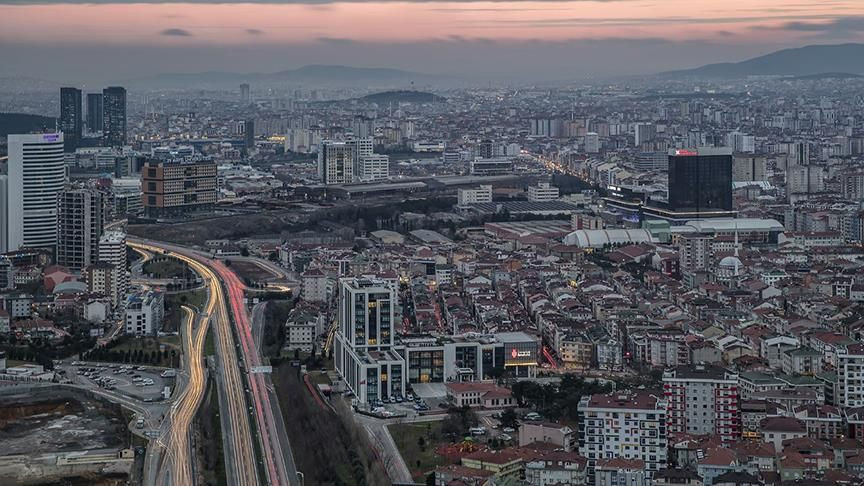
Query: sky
{"x": 78, "y": 41}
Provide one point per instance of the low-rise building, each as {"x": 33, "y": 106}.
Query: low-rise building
{"x": 552, "y": 433}
{"x": 145, "y": 311}
{"x": 479, "y": 395}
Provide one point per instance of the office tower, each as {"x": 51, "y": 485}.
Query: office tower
{"x": 623, "y": 426}
{"x": 644, "y": 132}
{"x": 71, "y": 123}
{"x": 592, "y": 143}
{"x": 81, "y": 219}
{"x": 362, "y": 349}
{"x": 249, "y": 135}
{"x": 114, "y": 116}
{"x": 374, "y": 167}
{"x": 94, "y": 112}
{"x": 336, "y": 162}
{"x": 112, "y": 251}
{"x": 700, "y": 180}
{"x": 36, "y": 176}
{"x": 702, "y": 400}
{"x": 172, "y": 188}
{"x": 245, "y": 95}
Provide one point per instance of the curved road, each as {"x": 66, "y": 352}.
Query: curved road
{"x": 240, "y": 456}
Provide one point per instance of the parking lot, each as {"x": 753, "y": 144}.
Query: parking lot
{"x": 144, "y": 383}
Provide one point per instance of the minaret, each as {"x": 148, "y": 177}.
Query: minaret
{"x": 737, "y": 260}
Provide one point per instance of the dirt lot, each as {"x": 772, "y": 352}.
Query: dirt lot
{"x": 58, "y": 419}
{"x": 250, "y": 271}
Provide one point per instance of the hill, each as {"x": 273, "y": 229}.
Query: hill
{"x": 402, "y": 96}
{"x": 802, "y": 61}
{"x": 320, "y": 74}
{"x": 24, "y": 123}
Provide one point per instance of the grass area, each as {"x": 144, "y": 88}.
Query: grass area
{"x": 129, "y": 349}
{"x": 210, "y": 343}
{"x": 419, "y": 455}
{"x": 249, "y": 271}
{"x": 334, "y": 450}
{"x": 211, "y": 433}
{"x": 174, "y": 315}
{"x": 319, "y": 378}
{"x": 165, "y": 267}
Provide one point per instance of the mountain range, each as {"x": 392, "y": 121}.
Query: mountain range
{"x": 321, "y": 74}
{"x": 835, "y": 59}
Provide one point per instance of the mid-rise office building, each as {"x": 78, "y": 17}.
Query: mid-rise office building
{"x": 114, "y": 116}
{"x": 336, "y": 162}
{"x": 112, "y": 250}
{"x": 494, "y": 166}
{"x": 71, "y": 119}
{"x": 374, "y": 167}
{"x": 700, "y": 180}
{"x": 481, "y": 194}
{"x": 81, "y": 219}
{"x": 702, "y": 399}
{"x": 175, "y": 187}
{"x": 362, "y": 351}
{"x": 623, "y": 425}
{"x": 145, "y": 312}
{"x": 36, "y": 174}
{"x": 94, "y": 112}
{"x": 542, "y": 192}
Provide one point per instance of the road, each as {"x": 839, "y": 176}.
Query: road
{"x": 278, "y": 471}
{"x": 183, "y": 411}
{"x": 258, "y": 318}
{"x": 240, "y": 455}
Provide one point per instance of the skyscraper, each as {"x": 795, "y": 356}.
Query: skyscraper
{"x": 71, "y": 121}
{"x": 36, "y": 176}
{"x": 700, "y": 180}
{"x": 244, "y": 93}
{"x": 94, "y": 112}
{"x": 81, "y": 220}
{"x": 114, "y": 116}
{"x": 249, "y": 135}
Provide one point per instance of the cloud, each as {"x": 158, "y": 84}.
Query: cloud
{"x": 254, "y": 31}
{"x": 336, "y": 41}
{"x": 841, "y": 25}
{"x": 174, "y": 32}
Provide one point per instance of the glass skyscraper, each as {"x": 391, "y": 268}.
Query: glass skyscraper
{"x": 700, "y": 180}
{"x": 71, "y": 121}
{"x": 94, "y": 112}
{"x": 114, "y": 116}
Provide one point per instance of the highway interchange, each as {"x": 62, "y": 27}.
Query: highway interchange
{"x": 239, "y": 405}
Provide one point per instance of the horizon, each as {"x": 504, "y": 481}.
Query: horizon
{"x": 68, "y": 41}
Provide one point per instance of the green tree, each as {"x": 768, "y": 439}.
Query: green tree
{"x": 509, "y": 418}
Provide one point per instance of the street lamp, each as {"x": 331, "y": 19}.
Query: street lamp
{"x": 301, "y": 477}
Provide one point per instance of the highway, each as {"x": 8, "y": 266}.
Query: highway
{"x": 185, "y": 407}
{"x": 240, "y": 461}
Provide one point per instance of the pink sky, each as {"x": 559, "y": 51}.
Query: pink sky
{"x": 727, "y": 21}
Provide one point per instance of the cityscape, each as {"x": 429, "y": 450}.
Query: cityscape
{"x": 600, "y": 247}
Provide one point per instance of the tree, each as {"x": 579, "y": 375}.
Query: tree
{"x": 509, "y": 418}
{"x": 421, "y": 443}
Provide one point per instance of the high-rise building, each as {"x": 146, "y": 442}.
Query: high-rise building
{"x": 592, "y": 143}
{"x": 249, "y": 135}
{"x": 36, "y": 176}
{"x": 81, "y": 219}
{"x": 171, "y": 188}
{"x": 112, "y": 250}
{"x": 94, "y": 112}
{"x": 693, "y": 252}
{"x": 625, "y": 426}
{"x": 700, "y": 180}
{"x": 805, "y": 179}
{"x": 71, "y": 121}
{"x": 643, "y": 132}
{"x": 114, "y": 116}
{"x": 702, "y": 400}
{"x": 336, "y": 162}
{"x": 245, "y": 95}
{"x": 746, "y": 168}
{"x": 362, "y": 351}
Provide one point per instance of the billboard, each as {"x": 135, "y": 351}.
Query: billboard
{"x": 520, "y": 354}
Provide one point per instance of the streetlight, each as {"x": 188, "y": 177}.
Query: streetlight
{"x": 301, "y": 477}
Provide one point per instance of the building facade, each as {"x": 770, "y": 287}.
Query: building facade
{"x": 71, "y": 121}
{"x": 81, "y": 220}
{"x": 171, "y": 188}
{"x": 144, "y": 313}
{"x": 700, "y": 180}
{"x": 702, "y": 399}
{"x": 114, "y": 116}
